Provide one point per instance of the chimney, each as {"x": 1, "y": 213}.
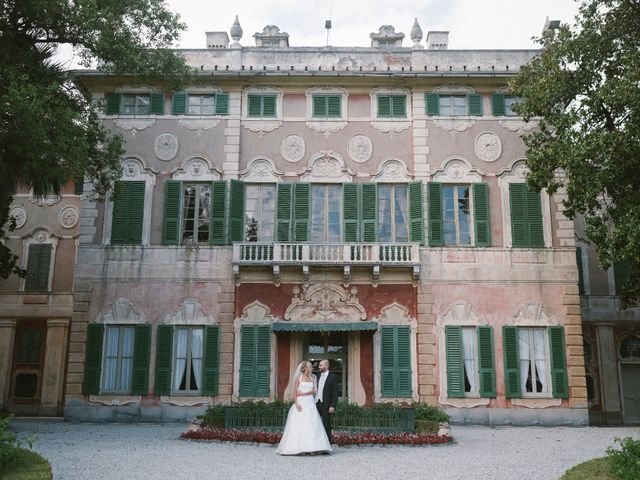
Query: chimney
{"x": 438, "y": 40}
{"x": 217, "y": 40}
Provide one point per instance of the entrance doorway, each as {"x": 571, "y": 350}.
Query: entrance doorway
{"x": 28, "y": 362}
{"x": 330, "y": 346}
{"x": 630, "y": 379}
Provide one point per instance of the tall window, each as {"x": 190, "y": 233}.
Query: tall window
{"x": 133, "y": 104}
{"x": 118, "y": 359}
{"x": 325, "y": 213}
{"x": 453, "y": 105}
{"x": 532, "y": 349}
{"x": 260, "y": 207}
{"x": 196, "y": 212}
{"x": 202, "y": 104}
{"x": 392, "y": 213}
{"x": 188, "y": 360}
{"x": 38, "y": 264}
{"x": 457, "y": 214}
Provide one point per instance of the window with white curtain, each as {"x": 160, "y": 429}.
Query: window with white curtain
{"x": 118, "y": 359}
{"x": 187, "y": 371}
{"x": 392, "y": 213}
{"x": 196, "y": 212}
{"x": 470, "y": 357}
{"x": 326, "y": 213}
{"x": 456, "y": 206}
{"x": 260, "y": 212}
{"x": 534, "y": 358}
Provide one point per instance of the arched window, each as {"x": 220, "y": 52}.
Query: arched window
{"x": 630, "y": 347}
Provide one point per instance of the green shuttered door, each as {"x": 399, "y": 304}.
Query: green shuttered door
{"x": 395, "y": 360}
{"x": 455, "y": 362}
{"x": 350, "y": 201}
{"x": 218, "y": 225}
{"x": 511, "y": 362}
{"x": 172, "y": 201}
{"x": 369, "y": 208}
{"x": 526, "y": 216}
{"x": 141, "y": 353}
{"x": 486, "y": 368}
{"x": 283, "y": 212}
{"x": 475, "y": 104}
{"x": 236, "y": 215}
{"x": 436, "y": 234}
{"x": 93, "y": 359}
{"x": 38, "y": 263}
{"x": 481, "y": 214}
{"x": 433, "y": 103}
{"x": 128, "y": 213}
{"x": 301, "y": 212}
{"x": 497, "y": 104}
{"x": 211, "y": 367}
{"x": 415, "y": 212}
{"x": 164, "y": 356}
{"x": 559, "y": 379}
{"x": 255, "y": 360}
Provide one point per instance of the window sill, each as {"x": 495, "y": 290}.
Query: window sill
{"x": 391, "y": 125}
{"x": 466, "y": 402}
{"x": 537, "y": 402}
{"x": 184, "y": 400}
{"x": 115, "y": 399}
{"x": 327, "y": 125}
{"x": 261, "y": 125}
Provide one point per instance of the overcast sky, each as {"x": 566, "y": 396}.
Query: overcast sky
{"x": 471, "y": 23}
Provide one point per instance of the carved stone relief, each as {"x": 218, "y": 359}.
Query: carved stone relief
{"x": 131, "y": 168}
{"x": 189, "y": 313}
{"x": 326, "y": 166}
{"x": 19, "y": 214}
{"x": 360, "y": 148}
{"x": 261, "y": 126}
{"x": 327, "y": 127}
{"x": 261, "y": 170}
{"x": 325, "y": 303}
{"x": 391, "y": 127}
{"x": 293, "y": 148}
{"x": 517, "y": 125}
{"x": 392, "y": 171}
{"x": 69, "y": 217}
{"x": 135, "y": 125}
{"x": 121, "y": 311}
{"x": 166, "y": 146}
{"x": 488, "y": 147}
{"x": 454, "y": 124}
{"x": 198, "y": 125}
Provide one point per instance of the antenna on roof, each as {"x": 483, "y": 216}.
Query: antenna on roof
{"x": 327, "y": 23}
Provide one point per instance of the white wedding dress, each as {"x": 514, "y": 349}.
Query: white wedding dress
{"x": 304, "y": 431}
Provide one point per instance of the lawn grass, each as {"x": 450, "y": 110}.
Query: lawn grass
{"x": 596, "y": 469}
{"x": 29, "y": 466}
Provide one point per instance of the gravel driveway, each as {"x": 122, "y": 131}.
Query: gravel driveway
{"x": 141, "y": 451}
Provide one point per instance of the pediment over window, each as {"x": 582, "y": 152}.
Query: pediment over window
{"x": 121, "y": 311}
{"x": 457, "y": 170}
{"x": 327, "y": 167}
{"x": 533, "y": 314}
{"x": 261, "y": 170}
{"x": 189, "y": 313}
{"x": 325, "y": 303}
{"x": 196, "y": 168}
{"x": 460, "y": 312}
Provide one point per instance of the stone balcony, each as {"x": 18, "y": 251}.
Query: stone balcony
{"x": 343, "y": 255}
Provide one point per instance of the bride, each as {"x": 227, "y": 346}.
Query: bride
{"x": 303, "y": 431}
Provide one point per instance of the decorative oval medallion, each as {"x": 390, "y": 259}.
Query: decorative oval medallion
{"x": 293, "y": 148}
{"x": 360, "y": 148}
{"x": 69, "y": 216}
{"x": 488, "y": 147}
{"x": 166, "y": 146}
{"x": 20, "y": 216}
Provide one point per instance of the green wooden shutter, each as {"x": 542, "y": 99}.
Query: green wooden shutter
{"x": 236, "y": 211}
{"x": 517, "y": 201}
{"x": 403, "y": 359}
{"x": 222, "y": 104}
{"x": 301, "y": 210}
{"x": 580, "y": 270}
{"x": 384, "y": 106}
{"x": 559, "y": 381}
{"x": 482, "y": 219}
{"x": 369, "y": 208}
{"x": 398, "y": 105}
{"x": 157, "y": 104}
{"x": 387, "y": 361}
{"x": 248, "y": 334}
{"x": 263, "y": 361}
{"x": 255, "y": 107}
{"x": 269, "y": 106}
{"x": 211, "y": 363}
{"x": 141, "y": 354}
{"x": 113, "y": 104}
{"x": 433, "y": 103}
{"x": 436, "y": 234}
{"x": 534, "y": 218}
{"x": 164, "y": 357}
{"x": 486, "y": 368}
{"x": 455, "y": 361}
{"x": 136, "y": 212}
{"x": 475, "y": 104}
{"x": 511, "y": 362}
{"x": 319, "y": 106}
{"x": 415, "y": 213}
{"x": 334, "y": 105}
{"x": 218, "y": 224}
{"x": 497, "y": 104}
{"x": 93, "y": 359}
{"x": 179, "y": 103}
{"x": 172, "y": 208}
{"x": 128, "y": 213}
{"x": 351, "y": 193}
{"x": 620, "y": 274}
{"x": 38, "y": 264}
{"x": 283, "y": 212}
{"x": 78, "y": 186}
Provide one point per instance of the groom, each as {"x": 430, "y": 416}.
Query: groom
{"x": 327, "y": 396}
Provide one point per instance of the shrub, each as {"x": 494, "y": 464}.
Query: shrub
{"x": 9, "y": 444}
{"x": 625, "y": 463}
{"x": 424, "y": 411}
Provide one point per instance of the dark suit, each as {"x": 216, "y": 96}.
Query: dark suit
{"x": 329, "y": 399}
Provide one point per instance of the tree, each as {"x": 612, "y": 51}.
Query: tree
{"x": 50, "y": 132}
{"x": 585, "y": 87}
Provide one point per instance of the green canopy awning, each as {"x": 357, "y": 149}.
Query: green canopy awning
{"x": 323, "y": 327}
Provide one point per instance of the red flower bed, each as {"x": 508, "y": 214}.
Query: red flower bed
{"x": 339, "y": 438}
